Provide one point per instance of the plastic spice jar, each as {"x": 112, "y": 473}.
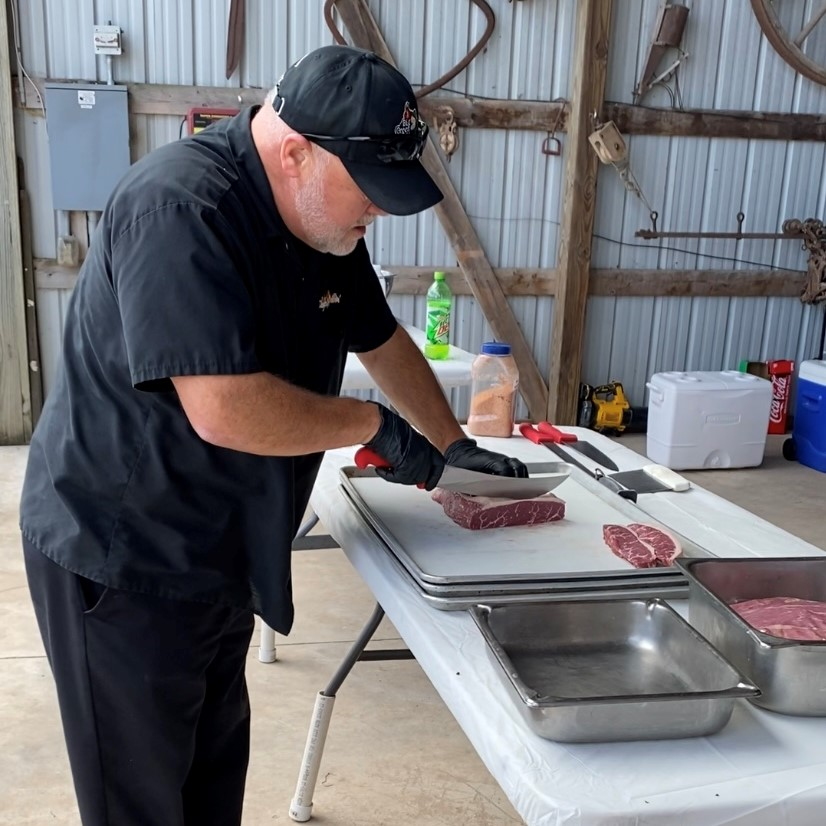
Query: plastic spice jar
{"x": 495, "y": 381}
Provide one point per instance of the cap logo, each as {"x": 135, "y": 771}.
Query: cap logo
{"x": 408, "y": 124}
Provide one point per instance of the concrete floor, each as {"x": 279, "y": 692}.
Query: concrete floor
{"x": 394, "y": 754}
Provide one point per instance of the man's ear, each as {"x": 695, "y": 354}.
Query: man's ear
{"x": 295, "y": 155}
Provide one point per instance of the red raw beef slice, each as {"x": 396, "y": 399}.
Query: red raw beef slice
{"x": 666, "y": 548}
{"x": 643, "y": 546}
{"x": 788, "y": 617}
{"x": 480, "y": 512}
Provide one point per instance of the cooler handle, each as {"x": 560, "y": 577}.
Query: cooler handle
{"x": 811, "y": 402}
{"x": 654, "y": 389}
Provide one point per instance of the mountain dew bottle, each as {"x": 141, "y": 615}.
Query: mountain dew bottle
{"x": 439, "y": 299}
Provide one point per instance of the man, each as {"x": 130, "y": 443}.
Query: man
{"x": 203, "y": 355}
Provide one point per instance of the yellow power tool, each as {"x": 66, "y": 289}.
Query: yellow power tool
{"x": 604, "y": 408}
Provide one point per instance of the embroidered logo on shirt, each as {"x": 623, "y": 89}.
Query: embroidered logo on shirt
{"x": 327, "y": 299}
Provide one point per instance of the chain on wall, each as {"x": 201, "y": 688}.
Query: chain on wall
{"x": 813, "y": 233}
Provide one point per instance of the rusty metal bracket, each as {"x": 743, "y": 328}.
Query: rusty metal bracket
{"x": 654, "y": 233}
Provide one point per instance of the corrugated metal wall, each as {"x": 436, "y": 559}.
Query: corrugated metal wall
{"x": 511, "y": 191}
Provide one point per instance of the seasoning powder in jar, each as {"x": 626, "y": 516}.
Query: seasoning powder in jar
{"x": 495, "y": 381}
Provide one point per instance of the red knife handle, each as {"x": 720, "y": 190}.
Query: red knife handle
{"x": 365, "y": 457}
{"x": 531, "y": 433}
{"x": 556, "y": 435}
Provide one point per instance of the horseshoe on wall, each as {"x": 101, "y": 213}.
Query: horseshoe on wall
{"x": 490, "y": 22}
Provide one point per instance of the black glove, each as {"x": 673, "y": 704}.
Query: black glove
{"x": 464, "y": 453}
{"x": 412, "y": 459}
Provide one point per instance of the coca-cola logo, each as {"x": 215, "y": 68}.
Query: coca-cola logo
{"x": 777, "y": 409}
{"x": 780, "y": 391}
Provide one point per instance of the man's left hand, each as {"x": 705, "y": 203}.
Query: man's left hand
{"x": 465, "y": 454}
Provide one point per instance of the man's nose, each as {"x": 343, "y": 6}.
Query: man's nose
{"x": 372, "y": 209}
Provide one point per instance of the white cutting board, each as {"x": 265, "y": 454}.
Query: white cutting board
{"x": 444, "y": 551}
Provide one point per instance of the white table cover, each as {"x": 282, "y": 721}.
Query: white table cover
{"x": 453, "y": 371}
{"x": 762, "y": 769}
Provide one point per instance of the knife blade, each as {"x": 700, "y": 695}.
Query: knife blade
{"x": 474, "y": 483}
{"x": 538, "y": 437}
{"x": 572, "y": 440}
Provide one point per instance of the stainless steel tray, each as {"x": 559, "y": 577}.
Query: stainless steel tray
{"x": 789, "y": 673}
{"x": 461, "y": 597}
{"x": 447, "y": 560}
{"x": 583, "y": 672}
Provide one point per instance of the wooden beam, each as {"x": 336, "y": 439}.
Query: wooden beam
{"x": 529, "y": 115}
{"x": 697, "y": 283}
{"x": 487, "y": 290}
{"x": 591, "y": 40}
{"x": 522, "y": 281}
{"x": 15, "y": 393}
{"x": 527, "y": 281}
{"x": 705, "y": 123}
{"x": 30, "y": 297}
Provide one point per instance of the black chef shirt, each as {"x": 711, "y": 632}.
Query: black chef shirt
{"x": 191, "y": 272}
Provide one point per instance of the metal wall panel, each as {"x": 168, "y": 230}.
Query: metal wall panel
{"x": 511, "y": 191}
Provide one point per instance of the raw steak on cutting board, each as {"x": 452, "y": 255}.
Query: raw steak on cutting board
{"x": 480, "y": 512}
{"x": 644, "y": 546}
{"x": 788, "y": 617}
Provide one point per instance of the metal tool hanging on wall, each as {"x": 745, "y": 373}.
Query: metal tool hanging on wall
{"x": 235, "y": 35}
{"x": 444, "y": 123}
{"x": 608, "y": 143}
{"x": 739, "y": 235}
{"x": 552, "y": 145}
{"x": 668, "y": 34}
{"x": 811, "y": 231}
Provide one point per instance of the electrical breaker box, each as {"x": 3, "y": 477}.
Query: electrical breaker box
{"x": 88, "y": 127}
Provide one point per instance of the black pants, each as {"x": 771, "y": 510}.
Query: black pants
{"x": 153, "y": 700}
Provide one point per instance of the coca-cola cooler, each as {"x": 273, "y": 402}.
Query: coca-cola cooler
{"x": 809, "y": 430}
{"x": 707, "y": 419}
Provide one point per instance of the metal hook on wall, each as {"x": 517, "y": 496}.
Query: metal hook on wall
{"x": 552, "y": 145}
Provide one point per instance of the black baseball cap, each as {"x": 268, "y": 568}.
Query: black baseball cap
{"x": 354, "y": 104}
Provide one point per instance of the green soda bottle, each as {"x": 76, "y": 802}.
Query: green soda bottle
{"x": 439, "y": 299}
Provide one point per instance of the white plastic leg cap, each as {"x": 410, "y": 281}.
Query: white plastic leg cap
{"x": 301, "y": 813}
{"x": 267, "y": 656}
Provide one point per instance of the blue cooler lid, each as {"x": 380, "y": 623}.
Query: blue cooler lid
{"x": 496, "y": 348}
{"x": 813, "y": 370}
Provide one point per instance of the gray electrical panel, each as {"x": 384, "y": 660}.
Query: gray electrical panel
{"x": 88, "y": 127}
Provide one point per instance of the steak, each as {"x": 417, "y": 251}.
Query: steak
{"x": 788, "y": 617}
{"x": 481, "y": 512}
{"x": 643, "y": 546}
{"x": 666, "y": 548}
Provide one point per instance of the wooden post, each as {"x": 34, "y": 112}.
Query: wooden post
{"x": 480, "y": 276}
{"x": 15, "y": 395}
{"x": 591, "y": 42}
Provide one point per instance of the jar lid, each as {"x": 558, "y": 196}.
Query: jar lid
{"x": 496, "y": 348}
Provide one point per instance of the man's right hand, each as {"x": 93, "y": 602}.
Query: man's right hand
{"x": 412, "y": 459}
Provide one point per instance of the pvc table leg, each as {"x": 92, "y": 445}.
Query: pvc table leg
{"x": 302, "y": 802}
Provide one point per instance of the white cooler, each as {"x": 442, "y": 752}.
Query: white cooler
{"x": 707, "y": 419}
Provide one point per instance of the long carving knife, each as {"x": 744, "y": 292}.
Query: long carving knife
{"x": 572, "y": 441}
{"x": 536, "y": 435}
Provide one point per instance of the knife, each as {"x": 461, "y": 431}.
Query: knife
{"x": 474, "y": 483}
{"x": 535, "y": 435}
{"x": 571, "y": 440}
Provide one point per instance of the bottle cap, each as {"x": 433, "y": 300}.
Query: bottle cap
{"x": 496, "y": 348}
{"x": 438, "y": 276}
